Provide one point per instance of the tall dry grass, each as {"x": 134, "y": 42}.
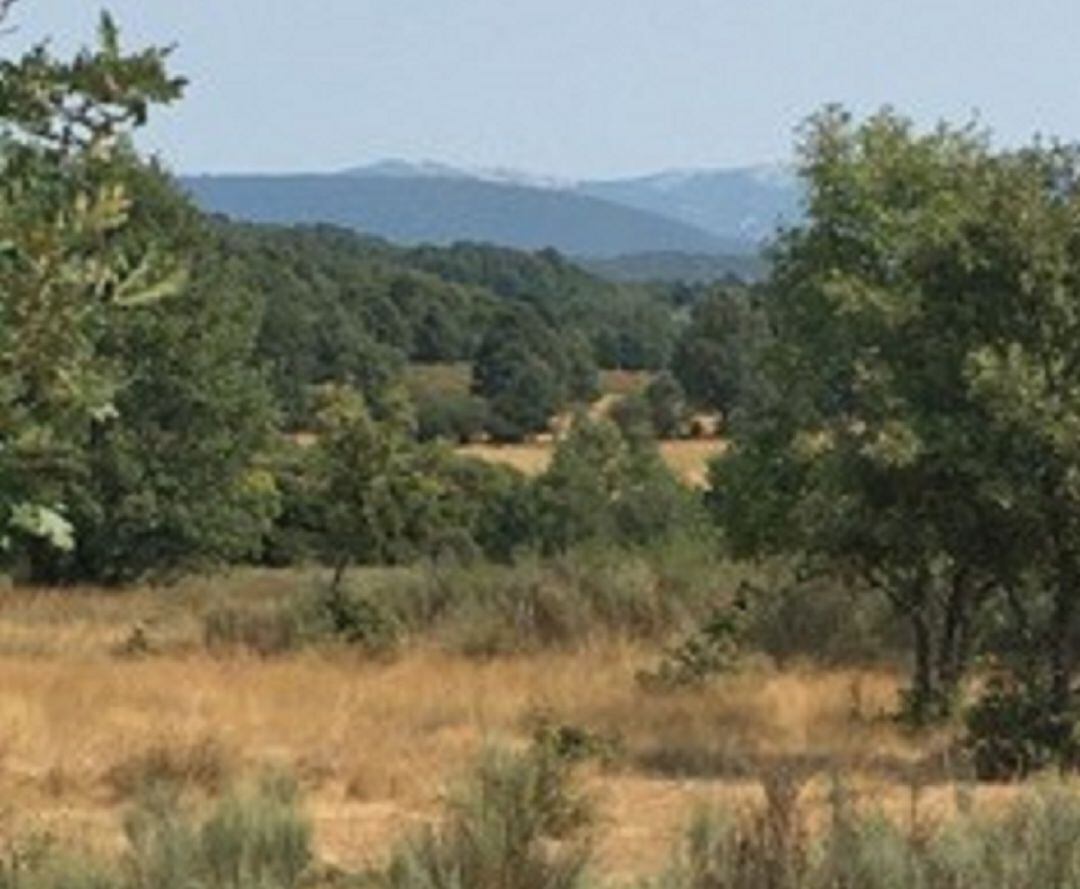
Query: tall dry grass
{"x": 689, "y": 459}
{"x": 374, "y": 744}
{"x": 86, "y": 718}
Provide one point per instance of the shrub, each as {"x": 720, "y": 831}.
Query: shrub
{"x": 514, "y": 824}
{"x": 667, "y": 405}
{"x": 573, "y": 743}
{"x": 485, "y": 608}
{"x": 1012, "y": 731}
{"x": 821, "y": 618}
{"x": 354, "y": 618}
{"x": 296, "y": 534}
{"x": 491, "y": 510}
{"x": 322, "y": 613}
{"x": 36, "y": 863}
{"x": 768, "y": 849}
{"x": 603, "y": 486}
{"x": 453, "y": 417}
{"x": 251, "y": 840}
{"x": 264, "y": 629}
{"x": 1032, "y": 844}
{"x": 565, "y": 601}
{"x": 712, "y": 650}
{"x": 631, "y": 414}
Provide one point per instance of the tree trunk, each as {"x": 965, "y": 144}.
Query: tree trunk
{"x": 1061, "y": 656}
{"x": 924, "y": 686}
{"x": 957, "y": 634}
{"x": 340, "y": 568}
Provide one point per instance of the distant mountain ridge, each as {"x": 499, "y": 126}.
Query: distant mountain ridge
{"x": 735, "y": 204}
{"x": 442, "y": 210}
{"x": 703, "y": 212}
{"x": 743, "y": 204}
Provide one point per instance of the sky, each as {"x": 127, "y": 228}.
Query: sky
{"x": 574, "y": 88}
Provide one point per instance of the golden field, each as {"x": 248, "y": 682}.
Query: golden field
{"x": 689, "y": 459}
{"x": 82, "y": 719}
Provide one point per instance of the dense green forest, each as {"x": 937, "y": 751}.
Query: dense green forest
{"x": 340, "y": 307}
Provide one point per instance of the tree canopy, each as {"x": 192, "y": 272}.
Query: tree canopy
{"x": 922, "y": 373}
{"x": 64, "y": 265}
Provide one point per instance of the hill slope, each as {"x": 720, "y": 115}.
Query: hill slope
{"x": 741, "y": 206}
{"x": 445, "y": 209}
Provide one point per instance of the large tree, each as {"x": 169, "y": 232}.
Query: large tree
{"x": 174, "y": 481}
{"x": 62, "y": 265}
{"x": 874, "y": 452}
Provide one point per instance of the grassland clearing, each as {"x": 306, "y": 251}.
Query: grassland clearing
{"x": 82, "y": 717}
{"x": 689, "y": 459}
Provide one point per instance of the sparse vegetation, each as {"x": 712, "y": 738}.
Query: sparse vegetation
{"x": 515, "y": 823}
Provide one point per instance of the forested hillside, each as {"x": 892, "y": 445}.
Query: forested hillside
{"x": 699, "y": 268}
{"x": 340, "y": 307}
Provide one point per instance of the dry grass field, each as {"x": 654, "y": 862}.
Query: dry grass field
{"x": 689, "y": 458}
{"x": 83, "y": 720}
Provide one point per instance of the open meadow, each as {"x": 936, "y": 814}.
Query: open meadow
{"x": 688, "y": 459}
{"x": 101, "y": 693}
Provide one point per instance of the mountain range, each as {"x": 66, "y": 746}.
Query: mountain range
{"x": 714, "y": 213}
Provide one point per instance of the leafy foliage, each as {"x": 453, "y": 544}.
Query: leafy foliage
{"x": 177, "y": 480}
{"x": 378, "y": 503}
{"x": 715, "y": 356}
{"x": 63, "y": 203}
{"x": 602, "y": 486}
{"x": 875, "y": 450}
{"x": 351, "y": 310}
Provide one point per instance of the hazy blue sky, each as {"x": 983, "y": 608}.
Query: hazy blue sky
{"x": 577, "y": 87}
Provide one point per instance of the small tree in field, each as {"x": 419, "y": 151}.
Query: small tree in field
{"x": 714, "y": 358}
{"x": 667, "y": 405}
{"x": 377, "y": 498}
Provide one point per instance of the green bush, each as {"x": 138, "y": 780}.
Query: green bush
{"x": 256, "y": 839}
{"x": 820, "y": 619}
{"x": 250, "y": 840}
{"x": 322, "y": 613}
{"x": 1012, "y": 731}
{"x": 36, "y": 863}
{"x": 452, "y": 417}
{"x": 573, "y": 743}
{"x": 1031, "y": 845}
{"x": 578, "y": 596}
{"x": 266, "y": 629}
{"x": 666, "y": 401}
{"x": 514, "y": 824}
{"x": 603, "y": 486}
{"x": 632, "y": 415}
{"x": 486, "y": 609}
{"x": 711, "y": 650}
{"x": 296, "y": 534}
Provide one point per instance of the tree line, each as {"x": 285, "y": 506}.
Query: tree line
{"x": 153, "y": 358}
